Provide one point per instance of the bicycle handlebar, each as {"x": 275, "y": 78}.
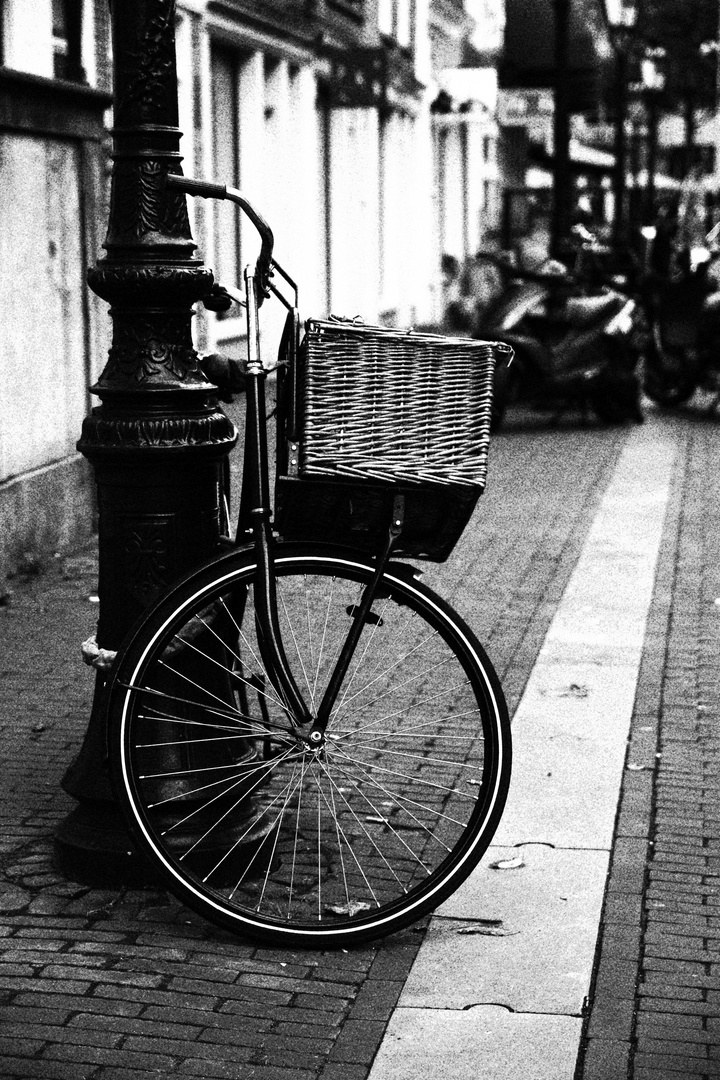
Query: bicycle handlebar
{"x": 206, "y": 190}
{"x": 203, "y": 188}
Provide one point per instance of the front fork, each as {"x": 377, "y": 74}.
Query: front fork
{"x": 256, "y": 513}
{"x": 359, "y": 619}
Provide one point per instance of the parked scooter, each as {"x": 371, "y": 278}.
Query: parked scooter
{"x": 573, "y": 339}
{"x": 682, "y": 308}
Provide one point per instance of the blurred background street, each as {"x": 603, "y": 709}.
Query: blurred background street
{"x": 539, "y": 172}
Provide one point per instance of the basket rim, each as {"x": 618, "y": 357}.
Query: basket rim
{"x": 406, "y": 333}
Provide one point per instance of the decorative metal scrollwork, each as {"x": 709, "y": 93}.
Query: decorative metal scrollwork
{"x": 146, "y": 74}
{"x": 141, "y": 206}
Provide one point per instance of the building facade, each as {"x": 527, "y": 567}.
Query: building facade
{"x": 324, "y": 112}
{"x": 322, "y": 116}
{"x": 53, "y": 101}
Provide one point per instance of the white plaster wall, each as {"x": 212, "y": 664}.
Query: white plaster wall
{"x": 408, "y": 248}
{"x": 452, "y": 231}
{"x": 28, "y": 36}
{"x": 42, "y": 374}
{"x": 354, "y": 213}
{"x": 307, "y": 261}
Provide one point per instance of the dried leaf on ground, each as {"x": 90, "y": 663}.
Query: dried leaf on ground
{"x": 508, "y": 864}
{"x": 353, "y": 908}
{"x": 488, "y": 928}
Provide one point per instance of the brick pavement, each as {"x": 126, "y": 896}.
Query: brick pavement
{"x": 104, "y": 983}
{"x": 655, "y": 1006}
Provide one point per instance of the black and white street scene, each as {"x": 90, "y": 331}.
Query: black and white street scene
{"x": 360, "y": 539}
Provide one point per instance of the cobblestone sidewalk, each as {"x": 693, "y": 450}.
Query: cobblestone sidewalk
{"x": 655, "y": 1011}
{"x": 102, "y": 984}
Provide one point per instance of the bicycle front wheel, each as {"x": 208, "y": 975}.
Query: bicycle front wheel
{"x": 272, "y": 837}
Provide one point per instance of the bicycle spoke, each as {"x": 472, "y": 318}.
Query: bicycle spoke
{"x": 402, "y": 803}
{"x": 351, "y": 851}
{"x": 319, "y": 858}
{"x": 224, "y": 668}
{"x": 331, "y": 665}
{"x": 369, "y": 770}
{"x": 424, "y": 758}
{"x": 418, "y": 780}
{"x": 190, "y": 770}
{"x": 363, "y": 653}
{"x": 314, "y": 664}
{"x": 166, "y": 743}
{"x": 212, "y": 710}
{"x": 257, "y": 658}
{"x": 323, "y": 636}
{"x": 340, "y": 836}
{"x": 417, "y": 732}
{"x": 290, "y": 789}
{"x": 297, "y": 841}
{"x": 401, "y": 632}
{"x": 293, "y": 867}
{"x": 254, "y": 825}
{"x": 378, "y": 813}
{"x": 298, "y": 651}
{"x": 417, "y": 703}
{"x": 203, "y": 807}
{"x": 386, "y": 672}
{"x": 211, "y": 828}
{"x": 192, "y": 792}
{"x": 180, "y": 721}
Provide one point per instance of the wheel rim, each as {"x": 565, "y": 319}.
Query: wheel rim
{"x": 252, "y": 824}
{"x": 669, "y": 379}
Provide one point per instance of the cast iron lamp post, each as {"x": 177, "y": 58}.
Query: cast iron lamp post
{"x": 653, "y": 82}
{"x": 158, "y": 440}
{"x": 621, "y": 18}
{"x": 562, "y": 180}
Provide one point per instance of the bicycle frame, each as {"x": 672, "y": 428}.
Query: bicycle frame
{"x": 255, "y": 514}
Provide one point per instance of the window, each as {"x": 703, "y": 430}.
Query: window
{"x": 395, "y": 21}
{"x": 682, "y": 159}
{"x": 403, "y": 24}
{"x": 67, "y": 40}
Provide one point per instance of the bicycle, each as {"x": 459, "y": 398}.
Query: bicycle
{"x": 308, "y": 744}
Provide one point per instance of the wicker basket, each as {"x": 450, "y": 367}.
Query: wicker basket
{"x": 382, "y": 411}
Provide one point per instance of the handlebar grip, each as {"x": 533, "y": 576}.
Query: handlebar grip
{"x": 206, "y": 190}
{"x": 201, "y": 188}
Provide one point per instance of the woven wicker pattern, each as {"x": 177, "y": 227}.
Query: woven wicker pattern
{"x": 396, "y": 405}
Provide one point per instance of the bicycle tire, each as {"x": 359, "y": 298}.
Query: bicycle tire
{"x": 669, "y": 389}
{"x": 280, "y": 842}
{"x": 670, "y": 375}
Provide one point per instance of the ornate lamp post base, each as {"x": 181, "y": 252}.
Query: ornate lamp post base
{"x": 158, "y": 441}
{"x": 92, "y": 846}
